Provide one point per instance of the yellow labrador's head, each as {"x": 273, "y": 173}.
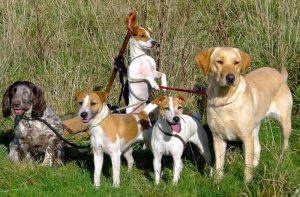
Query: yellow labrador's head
{"x": 91, "y": 103}
{"x": 223, "y": 64}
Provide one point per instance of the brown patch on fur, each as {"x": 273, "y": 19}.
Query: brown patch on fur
{"x": 144, "y": 120}
{"x": 121, "y": 125}
{"x": 140, "y": 34}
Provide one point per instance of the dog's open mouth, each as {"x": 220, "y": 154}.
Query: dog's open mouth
{"x": 175, "y": 127}
{"x": 85, "y": 120}
{"x": 19, "y": 111}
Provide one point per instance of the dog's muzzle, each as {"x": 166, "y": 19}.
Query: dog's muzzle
{"x": 230, "y": 78}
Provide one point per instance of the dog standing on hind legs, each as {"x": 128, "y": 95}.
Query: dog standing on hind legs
{"x": 142, "y": 69}
{"x": 237, "y": 104}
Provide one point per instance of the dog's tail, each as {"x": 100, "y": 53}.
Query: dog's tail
{"x": 284, "y": 73}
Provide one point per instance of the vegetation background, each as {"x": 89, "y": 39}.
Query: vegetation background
{"x": 64, "y": 46}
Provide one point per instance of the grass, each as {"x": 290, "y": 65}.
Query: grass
{"x": 66, "y": 46}
{"x": 276, "y": 175}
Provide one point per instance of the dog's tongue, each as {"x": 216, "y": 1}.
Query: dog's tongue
{"x": 175, "y": 127}
{"x": 85, "y": 120}
{"x": 18, "y": 111}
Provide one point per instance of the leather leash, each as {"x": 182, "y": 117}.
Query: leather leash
{"x": 118, "y": 60}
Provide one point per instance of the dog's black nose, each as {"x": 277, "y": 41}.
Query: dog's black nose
{"x": 230, "y": 78}
{"x": 176, "y": 119}
{"x": 153, "y": 43}
{"x": 83, "y": 114}
{"x": 17, "y": 103}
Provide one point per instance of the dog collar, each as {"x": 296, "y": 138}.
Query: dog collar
{"x": 133, "y": 58}
{"x": 172, "y": 135}
{"x": 100, "y": 117}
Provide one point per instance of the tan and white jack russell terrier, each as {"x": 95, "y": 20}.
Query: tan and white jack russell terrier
{"x": 142, "y": 69}
{"x": 171, "y": 131}
{"x": 111, "y": 133}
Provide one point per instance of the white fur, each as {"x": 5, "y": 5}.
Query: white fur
{"x": 142, "y": 74}
{"x": 101, "y": 144}
{"x": 161, "y": 144}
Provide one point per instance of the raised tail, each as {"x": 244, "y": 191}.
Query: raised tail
{"x": 284, "y": 73}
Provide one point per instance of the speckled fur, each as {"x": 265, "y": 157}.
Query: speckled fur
{"x": 33, "y": 139}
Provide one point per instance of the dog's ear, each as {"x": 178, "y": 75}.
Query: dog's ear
{"x": 39, "y": 102}
{"x": 181, "y": 98}
{"x": 158, "y": 100}
{"x": 77, "y": 95}
{"x": 102, "y": 96}
{"x": 245, "y": 61}
{"x": 6, "y": 102}
{"x": 203, "y": 60}
{"x": 131, "y": 21}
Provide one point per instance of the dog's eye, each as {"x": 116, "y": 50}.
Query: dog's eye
{"x": 167, "y": 108}
{"x": 142, "y": 35}
{"x": 179, "y": 107}
{"x": 80, "y": 103}
{"x": 220, "y": 62}
{"x": 93, "y": 103}
{"x": 236, "y": 62}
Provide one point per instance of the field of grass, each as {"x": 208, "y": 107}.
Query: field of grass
{"x": 66, "y": 46}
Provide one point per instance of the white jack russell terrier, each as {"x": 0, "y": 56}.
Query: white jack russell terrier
{"x": 142, "y": 69}
{"x": 172, "y": 131}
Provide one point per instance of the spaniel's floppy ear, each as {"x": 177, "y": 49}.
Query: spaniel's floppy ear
{"x": 245, "y": 61}
{"x": 39, "y": 102}
{"x": 203, "y": 60}
{"x": 6, "y": 102}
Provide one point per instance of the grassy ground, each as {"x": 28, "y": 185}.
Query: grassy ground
{"x": 66, "y": 46}
{"x": 277, "y": 174}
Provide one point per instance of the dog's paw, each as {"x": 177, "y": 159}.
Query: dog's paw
{"x": 155, "y": 87}
{"x": 97, "y": 184}
{"x": 116, "y": 184}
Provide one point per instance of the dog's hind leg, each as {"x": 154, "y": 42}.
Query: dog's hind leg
{"x": 129, "y": 158}
{"x": 203, "y": 146}
{"x": 281, "y": 110}
{"x": 284, "y": 120}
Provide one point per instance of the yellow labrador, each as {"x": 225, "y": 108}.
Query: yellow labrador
{"x": 237, "y": 104}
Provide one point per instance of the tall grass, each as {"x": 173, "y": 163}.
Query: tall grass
{"x": 65, "y": 46}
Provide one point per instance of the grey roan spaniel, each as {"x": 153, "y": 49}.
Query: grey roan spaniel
{"x": 33, "y": 139}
